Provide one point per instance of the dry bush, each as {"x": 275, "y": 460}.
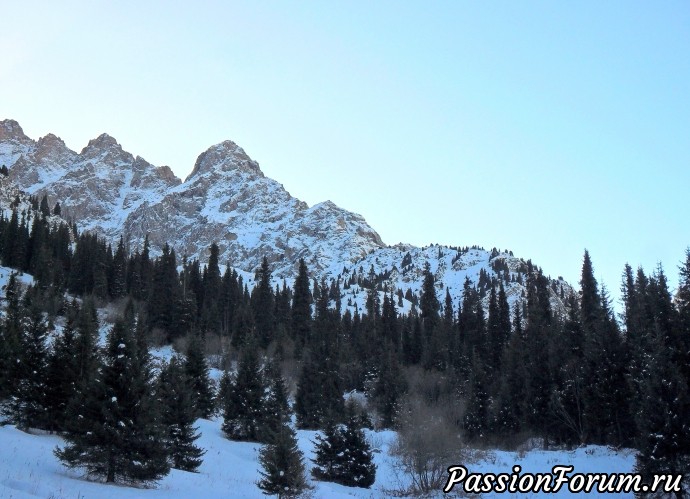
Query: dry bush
{"x": 427, "y": 444}
{"x": 218, "y": 350}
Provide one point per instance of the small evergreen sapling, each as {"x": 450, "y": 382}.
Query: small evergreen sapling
{"x": 283, "y": 466}
{"x": 343, "y": 456}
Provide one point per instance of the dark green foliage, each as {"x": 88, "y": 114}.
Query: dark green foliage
{"x": 388, "y": 389}
{"x": 211, "y": 308}
{"x": 63, "y": 371}
{"x": 262, "y": 304}
{"x": 319, "y": 396}
{"x": 11, "y": 338}
{"x": 197, "y": 371}
{"x": 343, "y": 456}
{"x": 164, "y": 295}
{"x": 665, "y": 421}
{"x": 114, "y": 430}
{"x": 27, "y": 406}
{"x": 244, "y": 398}
{"x": 276, "y": 408}
{"x": 300, "y": 326}
{"x": 178, "y": 417}
{"x": 282, "y": 465}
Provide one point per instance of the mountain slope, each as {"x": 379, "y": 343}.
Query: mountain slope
{"x": 226, "y": 199}
{"x": 229, "y": 201}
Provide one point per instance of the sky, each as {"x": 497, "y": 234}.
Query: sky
{"x": 540, "y": 127}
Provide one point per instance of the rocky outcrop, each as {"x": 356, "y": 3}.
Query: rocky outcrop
{"x": 226, "y": 199}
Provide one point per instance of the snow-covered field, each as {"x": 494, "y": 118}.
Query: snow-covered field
{"x": 28, "y": 469}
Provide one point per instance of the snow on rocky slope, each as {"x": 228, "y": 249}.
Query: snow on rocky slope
{"x": 228, "y": 200}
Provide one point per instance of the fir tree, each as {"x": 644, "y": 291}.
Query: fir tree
{"x": 243, "y": 414}
{"x": 115, "y": 432}
{"x": 62, "y": 377}
{"x": 28, "y": 404}
{"x": 360, "y": 470}
{"x": 282, "y": 465}
{"x": 178, "y": 417}
{"x": 262, "y": 304}
{"x": 301, "y": 309}
{"x": 197, "y": 371}
{"x": 11, "y": 338}
{"x": 343, "y": 456}
{"x": 276, "y": 408}
{"x": 329, "y": 449}
{"x": 319, "y": 394}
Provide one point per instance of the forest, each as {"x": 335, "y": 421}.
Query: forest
{"x": 486, "y": 378}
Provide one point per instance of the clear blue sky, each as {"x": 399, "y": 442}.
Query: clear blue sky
{"x": 542, "y": 127}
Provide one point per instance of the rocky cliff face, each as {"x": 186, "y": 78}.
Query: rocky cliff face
{"x": 226, "y": 199}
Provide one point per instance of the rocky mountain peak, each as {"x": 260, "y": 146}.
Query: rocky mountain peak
{"x": 11, "y": 131}
{"x": 103, "y": 141}
{"x": 105, "y": 150}
{"x": 224, "y": 157}
{"x": 50, "y": 143}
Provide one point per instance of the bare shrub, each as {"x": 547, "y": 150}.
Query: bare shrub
{"x": 218, "y": 351}
{"x": 427, "y": 444}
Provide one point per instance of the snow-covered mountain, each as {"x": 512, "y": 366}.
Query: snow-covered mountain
{"x": 228, "y": 200}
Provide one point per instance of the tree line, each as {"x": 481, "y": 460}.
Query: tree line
{"x": 512, "y": 372}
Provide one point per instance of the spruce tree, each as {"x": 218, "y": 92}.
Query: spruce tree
{"x": 178, "y": 417}
{"x": 244, "y": 397}
{"x": 282, "y": 465}
{"x": 11, "y": 338}
{"x": 62, "y": 376}
{"x": 276, "y": 407}
{"x": 343, "y": 456}
{"x": 197, "y": 371}
{"x": 360, "y": 470}
{"x": 28, "y": 404}
{"x": 115, "y": 432}
{"x": 319, "y": 394}
{"x": 263, "y": 304}
{"x": 329, "y": 448}
{"x": 300, "y": 325}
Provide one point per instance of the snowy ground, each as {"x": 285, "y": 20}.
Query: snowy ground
{"x": 28, "y": 469}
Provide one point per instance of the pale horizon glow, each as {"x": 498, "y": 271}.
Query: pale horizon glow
{"x": 543, "y": 128}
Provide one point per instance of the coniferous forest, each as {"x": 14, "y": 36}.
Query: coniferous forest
{"x": 493, "y": 377}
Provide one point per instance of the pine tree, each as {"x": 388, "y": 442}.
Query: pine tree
{"x": 11, "y": 338}
{"x": 28, "y": 404}
{"x": 301, "y": 309}
{"x": 343, "y": 456}
{"x": 118, "y": 274}
{"x": 329, "y": 449}
{"x": 262, "y": 304}
{"x": 62, "y": 376}
{"x": 115, "y": 431}
{"x": 178, "y": 417}
{"x": 210, "y": 308}
{"x": 664, "y": 423}
{"x": 283, "y": 471}
{"x": 197, "y": 371}
{"x": 276, "y": 407}
{"x": 319, "y": 394}
{"x": 243, "y": 414}
{"x": 360, "y": 470}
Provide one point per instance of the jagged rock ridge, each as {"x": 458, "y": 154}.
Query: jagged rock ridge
{"x": 226, "y": 199}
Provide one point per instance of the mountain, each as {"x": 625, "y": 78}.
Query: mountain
{"x": 228, "y": 200}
